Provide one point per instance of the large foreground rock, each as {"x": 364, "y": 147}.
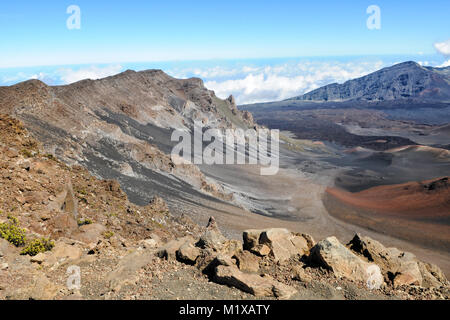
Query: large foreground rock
{"x": 398, "y": 267}
{"x": 280, "y": 243}
{"x": 260, "y": 286}
{"x": 246, "y": 261}
{"x": 331, "y": 254}
{"x": 188, "y": 253}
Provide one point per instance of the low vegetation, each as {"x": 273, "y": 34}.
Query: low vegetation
{"x": 11, "y": 232}
{"x": 37, "y": 246}
{"x": 82, "y": 222}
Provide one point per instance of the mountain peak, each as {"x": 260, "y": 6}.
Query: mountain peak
{"x": 31, "y": 83}
{"x": 406, "y": 80}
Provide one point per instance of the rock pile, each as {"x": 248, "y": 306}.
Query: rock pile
{"x": 238, "y": 264}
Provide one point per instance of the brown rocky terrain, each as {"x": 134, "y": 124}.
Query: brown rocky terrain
{"x": 125, "y": 251}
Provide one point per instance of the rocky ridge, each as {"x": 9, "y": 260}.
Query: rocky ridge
{"x": 407, "y": 80}
{"x": 125, "y": 129}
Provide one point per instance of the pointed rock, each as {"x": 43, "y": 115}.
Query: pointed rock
{"x": 65, "y": 201}
{"x": 212, "y": 237}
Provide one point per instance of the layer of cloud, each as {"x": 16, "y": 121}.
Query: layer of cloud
{"x": 23, "y": 76}
{"x": 60, "y": 76}
{"x": 250, "y": 84}
{"x": 445, "y": 64}
{"x": 93, "y": 72}
{"x": 443, "y": 47}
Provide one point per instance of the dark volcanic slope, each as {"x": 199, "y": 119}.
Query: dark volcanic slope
{"x": 317, "y": 129}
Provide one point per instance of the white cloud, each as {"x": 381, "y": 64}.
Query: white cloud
{"x": 69, "y": 75}
{"x": 445, "y": 64}
{"x": 15, "y": 78}
{"x": 62, "y": 75}
{"x": 278, "y": 82}
{"x": 23, "y": 76}
{"x": 443, "y": 47}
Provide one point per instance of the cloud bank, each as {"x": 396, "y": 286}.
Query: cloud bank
{"x": 66, "y": 75}
{"x": 251, "y": 84}
{"x": 92, "y": 72}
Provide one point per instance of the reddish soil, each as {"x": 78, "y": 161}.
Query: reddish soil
{"x": 418, "y": 200}
{"x": 415, "y": 211}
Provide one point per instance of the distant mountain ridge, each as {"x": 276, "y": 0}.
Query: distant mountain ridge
{"x": 407, "y": 80}
{"x": 405, "y": 91}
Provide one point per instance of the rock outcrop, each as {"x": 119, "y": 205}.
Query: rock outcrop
{"x": 398, "y": 267}
{"x": 281, "y": 244}
{"x": 334, "y": 256}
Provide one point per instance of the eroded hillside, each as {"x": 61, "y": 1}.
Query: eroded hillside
{"x": 120, "y": 127}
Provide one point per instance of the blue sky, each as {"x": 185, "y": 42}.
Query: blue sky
{"x": 175, "y": 34}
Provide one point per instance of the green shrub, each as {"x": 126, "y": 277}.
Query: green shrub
{"x": 108, "y": 234}
{"x": 12, "y": 219}
{"x": 11, "y": 232}
{"x": 26, "y": 153}
{"x": 37, "y": 246}
{"x": 82, "y": 222}
{"x": 82, "y": 191}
